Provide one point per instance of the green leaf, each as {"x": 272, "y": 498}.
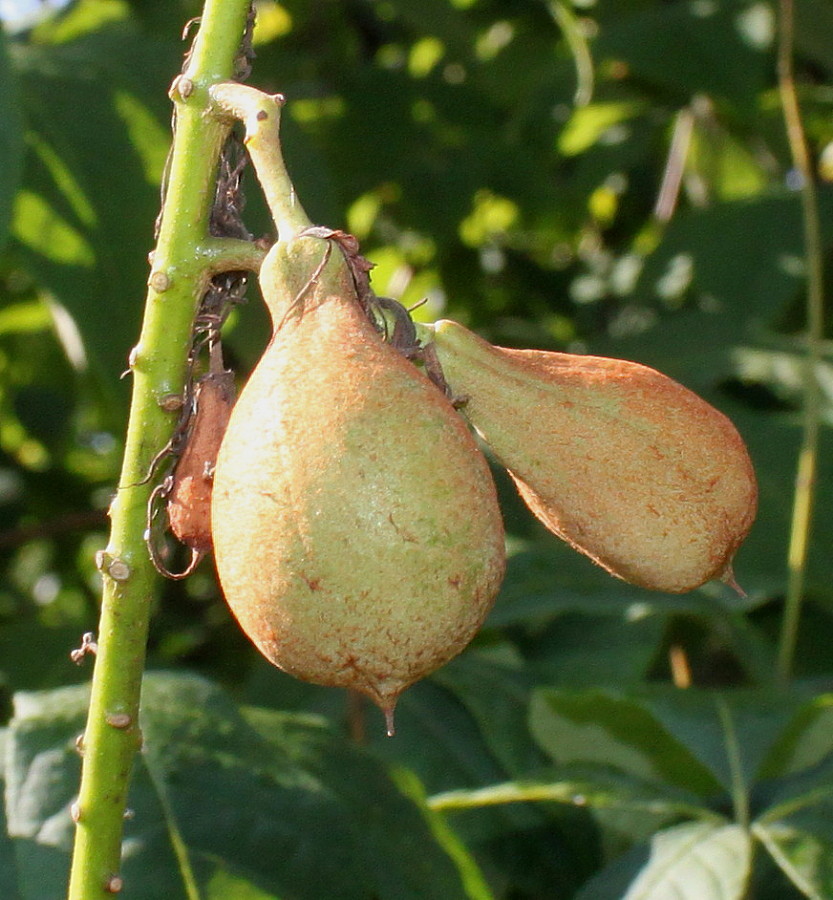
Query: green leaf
{"x": 494, "y": 688}
{"x": 475, "y": 884}
{"x": 445, "y": 735}
{"x": 813, "y": 25}
{"x": 609, "y": 729}
{"x": 581, "y": 650}
{"x": 695, "y": 740}
{"x": 84, "y": 220}
{"x": 806, "y": 742}
{"x": 698, "y": 257}
{"x": 440, "y": 739}
{"x": 436, "y": 737}
{"x": 11, "y": 139}
{"x": 695, "y": 861}
{"x": 761, "y": 563}
{"x": 729, "y": 732}
{"x": 42, "y": 770}
{"x": 545, "y": 582}
{"x": 306, "y": 814}
{"x": 689, "y": 48}
{"x": 270, "y": 803}
{"x": 796, "y": 823}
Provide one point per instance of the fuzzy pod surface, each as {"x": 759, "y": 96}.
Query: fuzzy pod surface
{"x": 357, "y": 533}
{"x": 626, "y": 465}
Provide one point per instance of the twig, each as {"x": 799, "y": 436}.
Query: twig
{"x": 672, "y": 177}
{"x": 68, "y": 522}
{"x": 808, "y": 456}
{"x": 183, "y": 262}
{"x": 579, "y": 47}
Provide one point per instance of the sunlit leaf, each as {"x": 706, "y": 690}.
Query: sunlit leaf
{"x": 589, "y": 124}
{"x": 8, "y": 868}
{"x": 84, "y": 223}
{"x": 696, "y": 861}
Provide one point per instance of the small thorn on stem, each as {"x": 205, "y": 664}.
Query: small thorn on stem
{"x": 114, "y": 884}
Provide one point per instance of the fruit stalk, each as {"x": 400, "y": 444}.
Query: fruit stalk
{"x": 183, "y": 262}
{"x": 261, "y": 116}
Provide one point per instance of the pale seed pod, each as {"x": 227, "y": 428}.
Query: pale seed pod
{"x": 625, "y": 464}
{"x": 357, "y": 534}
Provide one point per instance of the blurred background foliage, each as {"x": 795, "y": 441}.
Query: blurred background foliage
{"x": 608, "y": 177}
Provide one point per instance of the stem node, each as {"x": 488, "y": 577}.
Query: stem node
{"x": 119, "y": 570}
{"x": 171, "y": 402}
{"x": 121, "y": 721}
{"x": 160, "y": 282}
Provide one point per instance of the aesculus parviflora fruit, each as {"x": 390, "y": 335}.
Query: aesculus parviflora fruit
{"x": 356, "y": 528}
{"x": 623, "y": 463}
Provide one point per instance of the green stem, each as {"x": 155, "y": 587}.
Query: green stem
{"x": 808, "y": 456}
{"x": 229, "y": 255}
{"x": 183, "y": 262}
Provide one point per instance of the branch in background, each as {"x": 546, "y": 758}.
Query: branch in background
{"x": 805, "y": 482}
{"x": 72, "y": 521}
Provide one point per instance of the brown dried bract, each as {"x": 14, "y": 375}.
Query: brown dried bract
{"x": 189, "y": 500}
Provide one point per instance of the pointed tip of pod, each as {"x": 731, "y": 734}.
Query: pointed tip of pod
{"x": 386, "y": 696}
{"x": 390, "y": 724}
{"x": 728, "y": 578}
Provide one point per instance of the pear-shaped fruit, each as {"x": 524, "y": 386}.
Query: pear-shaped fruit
{"x": 356, "y": 529}
{"x": 625, "y": 464}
